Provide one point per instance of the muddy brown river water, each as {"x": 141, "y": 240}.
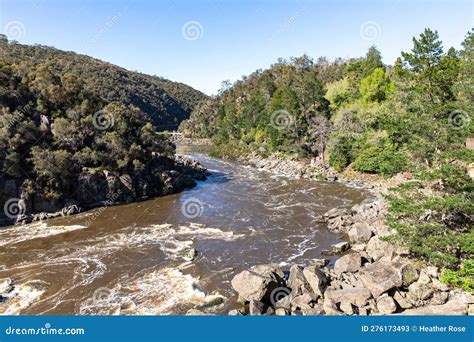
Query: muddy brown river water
{"x": 141, "y": 258}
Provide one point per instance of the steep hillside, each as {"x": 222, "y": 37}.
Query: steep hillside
{"x": 167, "y": 103}
{"x": 75, "y": 132}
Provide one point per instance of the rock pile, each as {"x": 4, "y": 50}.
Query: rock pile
{"x": 356, "y": 286}
{"x": 293, "y": 168}
{"x": 373, "y": 277}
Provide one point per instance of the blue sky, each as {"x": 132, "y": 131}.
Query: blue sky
{"x": 233, "y": 38}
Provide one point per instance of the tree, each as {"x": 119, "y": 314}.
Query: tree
{"x": 376, "y": 87}
{"x": 464, "y": 86}
{"x": 373, "y": 60}
{"x": 426, "y": 51}
{"x": 424, "y": 59}
{"x": 318, "y": 133}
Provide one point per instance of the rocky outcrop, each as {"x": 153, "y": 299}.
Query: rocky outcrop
{"x": 348, "y": 263}
{"x": 257, "y": 283}
{"x": 163, "y": 175}
{"x": 380, "y": 277}
{"x": 376, "y": 288}
{"x": 372, "y": 277}
{"x": 456, "y": 306}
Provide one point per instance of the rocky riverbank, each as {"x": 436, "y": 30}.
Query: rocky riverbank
{"x": 372, "y": 276}
{"x": 313, "y": 169}
{"x": 162, "y": 176}
{"x": 180, "y": 139}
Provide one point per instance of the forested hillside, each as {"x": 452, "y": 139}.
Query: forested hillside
{"x": 412, "y": 117}
{"x": 68, "y": 119}
{"x": 377, "y": 118}
{"x": 167, "y": 103}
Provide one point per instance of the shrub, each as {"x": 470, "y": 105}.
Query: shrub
{"x": 437, "y": 227}
{"x": 341, "y": 152}
{"x": 463, "y": 278}
{"x": 382, "y": 158}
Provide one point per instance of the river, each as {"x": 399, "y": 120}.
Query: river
{"x": 170, "y": 254}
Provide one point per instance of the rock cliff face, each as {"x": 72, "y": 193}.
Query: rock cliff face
{"x": 162, "y": 176}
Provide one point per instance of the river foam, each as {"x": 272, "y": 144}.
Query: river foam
{"x": 151, "y": 293}
{"x": 17, "y": 234}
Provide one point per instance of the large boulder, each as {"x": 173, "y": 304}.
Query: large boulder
{"x": 6, "y": 285}
{"x": 380, "y": 277}
{"x": 335, "y": 212}
{"x": 316, "y": 279}
{"x": 71, "y": 209}
{"x": 378, "y": 249}
{"x": 117, "y": 187}
{"x": 407, "y": 272}
{"x": 257, "y": 283}
{"x": 357, "y": 296}
{"x": 340, "y": 247}
{"x": 338, "y": 218}
{"x": 348, "y": 263}
{"x": 386, "y": 305}
{"x": 330, "y": 308}
{"x": 359, "y": 233}
{"x": 418, "y": 293}
{"x": 454, "y": 307}
{"x": 127, "y": 183}
{"x": 269, "y": 270}
{"x": 303, "y": 300}
{"x": 402, "y": 300}
{"x": 297, "y": 281}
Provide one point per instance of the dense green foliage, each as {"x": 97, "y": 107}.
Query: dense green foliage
{"x": 414, "y": 116}
{"x": 63, "y": 115}
{"x": 279, "y": 109}
{"x": 463, "y": 278}
{"x": 377, "y": 118}
{"x": 437, "y": 226}
{"x": 54, "y": 73}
